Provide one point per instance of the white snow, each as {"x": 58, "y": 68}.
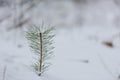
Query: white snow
{"x": 79, "y": 52}
{"x": 77, "y": 56}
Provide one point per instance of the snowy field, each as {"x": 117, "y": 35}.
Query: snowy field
{"x": 81, "y": 44}
{"x": 79, "y": 54}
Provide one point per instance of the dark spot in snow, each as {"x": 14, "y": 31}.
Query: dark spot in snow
{"x": 108, "y": 43}
{"x": 84, "y": 61}
{"x": 19, "y": 46}
{"x": 118, "y": 76}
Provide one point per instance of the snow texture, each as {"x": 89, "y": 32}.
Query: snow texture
{"x": 80, "y": 52}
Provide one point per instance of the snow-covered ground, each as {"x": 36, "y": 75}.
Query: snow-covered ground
{"x": 81, "y": 52}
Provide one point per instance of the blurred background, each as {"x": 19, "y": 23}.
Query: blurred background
{"x": 84, "y": 29}
{"x": 68, "y": 14}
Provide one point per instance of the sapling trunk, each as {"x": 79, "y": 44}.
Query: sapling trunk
{"x": 40, "y": 54}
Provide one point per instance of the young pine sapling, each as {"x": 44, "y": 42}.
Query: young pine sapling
{"x": 41, "y": 42}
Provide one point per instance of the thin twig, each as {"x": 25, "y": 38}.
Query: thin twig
{"x": 4, "y": 72}
{"x": 105, "y": 66}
